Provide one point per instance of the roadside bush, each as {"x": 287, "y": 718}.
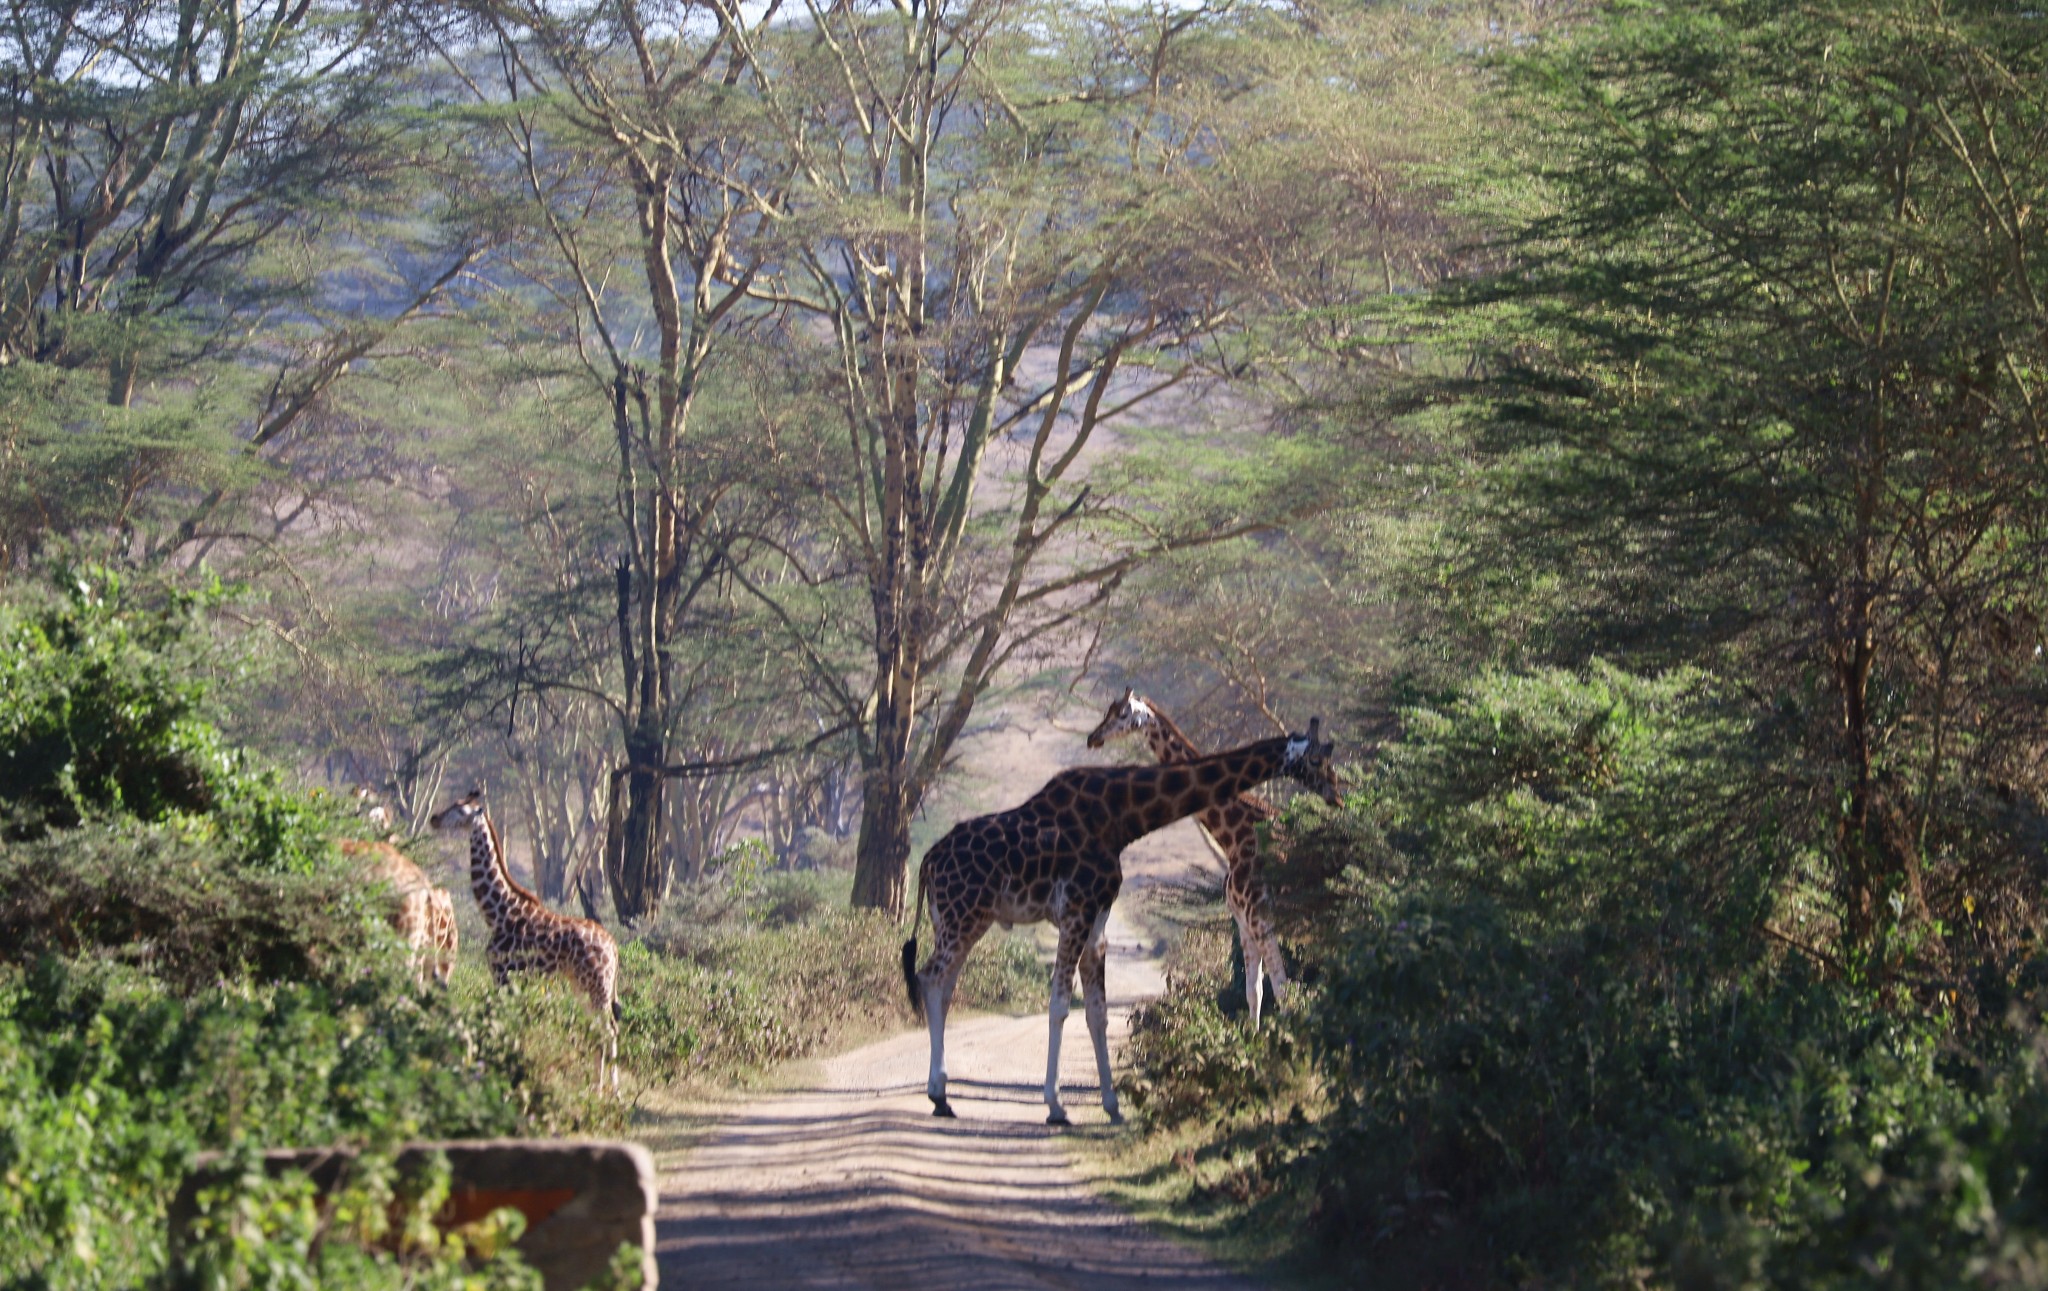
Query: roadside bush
{"x": 1190, "y": 1059}
{"x": 109, "y": 1086}
{"x": 725, "y": 982}
{"x": 102, "y": 716}
{"x": 374, "y": 1230}
{"x": 172, "y": 904}
{"x": 1550, "y": 1044}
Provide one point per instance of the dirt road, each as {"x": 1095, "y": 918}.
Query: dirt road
{"x": 849, "y": 1182}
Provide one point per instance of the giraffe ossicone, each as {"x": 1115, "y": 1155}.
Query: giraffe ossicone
{"x": 1233, "y": 829}
{"x": 527, "y": 937}
{"x": 1057, "y": 857}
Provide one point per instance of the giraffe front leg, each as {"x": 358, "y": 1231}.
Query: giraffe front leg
{"x": 1072, "y": 939}
{"x": 1276, "y": 969}
{"x": 1252, "y": 951}
{"x": 1095, "y": 1001}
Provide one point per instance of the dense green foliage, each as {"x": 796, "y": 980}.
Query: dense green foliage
{"x": 1759, "y": 391}
{"x": 1722, "y": 967}
{"x": 186, "y": 964}
{"x": 1549, "y": 1040}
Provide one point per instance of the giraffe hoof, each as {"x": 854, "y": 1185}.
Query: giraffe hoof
{"x": 1058, "y": 1117}
{"x": 940, "y": 1107}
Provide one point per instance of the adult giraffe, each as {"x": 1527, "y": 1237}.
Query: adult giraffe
{"x": 527, "y": 937}
{"x": 421, "y": 912}
{"x": 1058, "y": 857}
{"x": 1233, "y": 829}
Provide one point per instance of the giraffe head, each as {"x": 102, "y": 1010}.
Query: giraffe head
{"x": 1307, "y": 761}
{"x": 460, "y": 814}
{"x": 1130, "y": 713}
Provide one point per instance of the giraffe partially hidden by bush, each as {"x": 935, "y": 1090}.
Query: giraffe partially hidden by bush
{"x": 1233, "y": 829}
{"x": 421, "y": 913}
{"x": 527, "y": 937}
{"x": 1058, "y": 857}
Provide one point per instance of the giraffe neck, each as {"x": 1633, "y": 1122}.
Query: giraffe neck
{"x": 1169, "y": 743}
{"x": 1163, "y": 794}
{"x": 497, "y": 895}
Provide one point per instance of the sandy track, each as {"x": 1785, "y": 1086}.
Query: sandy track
{"x": 849, "y": 1181}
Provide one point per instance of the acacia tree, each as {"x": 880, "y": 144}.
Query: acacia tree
{"x": 623, "y": 139}
{"x": 982, "y": 225}
{"x": 165, "y": 171}
{"x": 1773, "y": 390}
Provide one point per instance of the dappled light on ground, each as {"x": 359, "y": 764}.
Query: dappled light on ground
{"x": 849, "y": 1182}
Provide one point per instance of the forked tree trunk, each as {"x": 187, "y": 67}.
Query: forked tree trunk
{"x": 889, "y": 798}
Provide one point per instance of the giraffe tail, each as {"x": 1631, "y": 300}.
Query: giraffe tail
{"x": 618, "y": 1014}
{"x": 910, "y": 953}
{"x": 910, "y": 978}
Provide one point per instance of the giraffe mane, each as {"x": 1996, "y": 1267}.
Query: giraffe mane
{"x": 504, "y": 864}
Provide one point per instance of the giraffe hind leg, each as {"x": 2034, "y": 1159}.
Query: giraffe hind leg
{"x": 1074, "y": 937}
{"x": 1095, "y": 1002}
{"x": 936, "y": 981}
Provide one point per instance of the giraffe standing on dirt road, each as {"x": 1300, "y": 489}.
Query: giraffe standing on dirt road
{"x": 1233, "y": 829}
{"x": 1057, "y": 857}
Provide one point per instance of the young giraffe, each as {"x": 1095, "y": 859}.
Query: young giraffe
{"x": 527, "y": 937}
{"x": 1232, "y": 828}
{"x": 421, "y": 913}
{"x": 1058, "y": 857}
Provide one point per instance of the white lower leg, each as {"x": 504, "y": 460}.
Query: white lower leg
{"x": 1056, "y": 1017}
{"x": 1098, "y": 1032}
{"x": 1254, "y": 985}
{"x": 935, "y": 1017}
{"x": 1251, "y": 950}
{"x": 1276, "y": 968}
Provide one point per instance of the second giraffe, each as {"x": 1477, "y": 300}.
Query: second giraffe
{"x": 1058, "y": 857}
{"x": 1233, "y": 829}
{"x": 527, "y": 937}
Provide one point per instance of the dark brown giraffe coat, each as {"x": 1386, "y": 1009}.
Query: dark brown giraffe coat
{"x": 1233, "y": 827}
{"x": 1057, "y": 857}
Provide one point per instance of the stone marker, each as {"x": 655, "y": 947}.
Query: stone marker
{"x": 582, "y": 1199}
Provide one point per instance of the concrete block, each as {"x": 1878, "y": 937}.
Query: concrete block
{"x": 582, "y": 1199}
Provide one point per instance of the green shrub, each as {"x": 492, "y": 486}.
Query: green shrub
{"x": 109, "y": 1085}
{"x": 158, "y": 898}
{"x": 1190, "y": 1059}
{"x": 102, "y": 715}
{"x": 1552, "y": 1046}
{"x": 373, "y": 1230}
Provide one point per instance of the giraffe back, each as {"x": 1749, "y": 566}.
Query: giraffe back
{"x": 420, "y": 912}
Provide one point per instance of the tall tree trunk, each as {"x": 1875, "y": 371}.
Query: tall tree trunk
{"x": 889, "y": 799}
{"x": 881, "y": 857}
{"x": 636, "y": 863}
